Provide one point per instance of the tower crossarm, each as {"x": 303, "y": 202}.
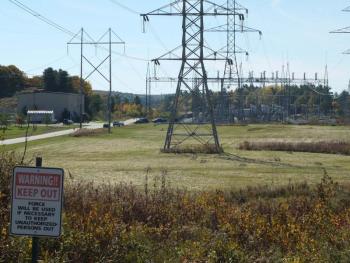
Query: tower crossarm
{"x": 345, "y": 30}
{"x": 212, "y": 55}
{"x": 243, "y": 80}
{"x": 238, "y": 28}
{"x": 211, "y": 9}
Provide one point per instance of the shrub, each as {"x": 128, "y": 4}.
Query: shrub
{"x": 120, "y": 223}
{"x": 8, "y": 251}
{"x": 328, "y": 147}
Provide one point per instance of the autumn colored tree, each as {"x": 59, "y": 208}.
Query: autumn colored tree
{"x": 11, "y": 80}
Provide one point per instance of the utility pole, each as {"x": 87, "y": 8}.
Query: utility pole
{"x": 98, "y": 44}
{"x": 81, "y": 79}
{"x": 148, "y": 90}
{"x": 110, "y": 81}
{"x": 185, "y": 128}
{"x": 147, "y": 81}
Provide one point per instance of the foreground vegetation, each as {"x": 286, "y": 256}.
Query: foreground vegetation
{"x": 124, "y": 156}
{"x": 119, "y": 223}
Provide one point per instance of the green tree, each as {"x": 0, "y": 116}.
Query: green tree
{"x": 64, "y": 83}
{"x": 4, "y": 121}
{"x": 137, "y": 100}
{"x": 11, "y": 81}
{"x": 93, "y": 105}
{"x": 50, "y": 80}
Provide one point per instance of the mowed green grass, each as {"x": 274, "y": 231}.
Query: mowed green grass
{"x": 125, "y": 155}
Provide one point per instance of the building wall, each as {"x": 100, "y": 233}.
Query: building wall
{"x": 56, "y": 102}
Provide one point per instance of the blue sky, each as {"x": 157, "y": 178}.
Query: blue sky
{"x": 294, "y": 31}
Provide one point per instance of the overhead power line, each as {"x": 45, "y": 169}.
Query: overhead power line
{"x": 46, "y": 64}
{"x": 125, "y": 7}
{"x": 130, "y": 10}
{"x": 41, "y": 17}
{"x": 61, "y": 28}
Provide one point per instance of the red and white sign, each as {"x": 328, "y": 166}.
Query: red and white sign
{"x": 36, "y": 206}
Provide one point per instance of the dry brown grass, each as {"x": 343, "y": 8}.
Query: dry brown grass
{"x": 195, "y": 149}
{"x": 328, "y": 147}
{"x": 89, "y": 132}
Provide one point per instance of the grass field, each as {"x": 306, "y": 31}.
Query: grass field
{"x": 125, "y": 156}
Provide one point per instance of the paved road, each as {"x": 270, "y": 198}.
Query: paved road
{"x": 130, "y": 122}
{"x": 91, "y": 125}
{"x": 37, "y": 137}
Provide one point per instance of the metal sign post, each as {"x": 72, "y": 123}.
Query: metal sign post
{"x": 35, "y": 240}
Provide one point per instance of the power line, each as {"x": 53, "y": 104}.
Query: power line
{"x": 63, "y": 29}
{"x": 153, "y": 31}
{"x": 46, "y": 64}
{"x": 125, "y": 7}
{"x": 41, "y": 17}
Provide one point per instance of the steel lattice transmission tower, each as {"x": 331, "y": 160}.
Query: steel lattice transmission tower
{"x": 345, "y": 30}
{"x": 232, "y": 27}
{"x": 192, "y": 115}
{"x": 79, "y": 39}
{"x": 232, "y": 75}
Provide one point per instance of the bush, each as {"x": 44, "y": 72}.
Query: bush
{"x": 328, "y": 147}
{"x": 8, "y": 251}
{"x": 120, "y": 223}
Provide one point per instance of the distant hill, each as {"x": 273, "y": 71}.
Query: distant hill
{"x": 155, "y": 99}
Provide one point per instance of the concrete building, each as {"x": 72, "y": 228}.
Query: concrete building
{"x": 51, "y": 101}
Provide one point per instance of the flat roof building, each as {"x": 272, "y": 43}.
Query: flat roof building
{"x": 57, "y": 102}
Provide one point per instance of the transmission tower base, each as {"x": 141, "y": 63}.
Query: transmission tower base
{"x": 195, "y": 149}
{"x": 192, "y": 138}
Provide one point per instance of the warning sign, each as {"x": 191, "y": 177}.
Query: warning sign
{"x": 36, "y": 205}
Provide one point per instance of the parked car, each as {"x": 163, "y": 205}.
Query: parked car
{"x": 160, "y": 120}
{"x": 106, "y": 126}
{"x": 142, "y": 121}
{"x": 118, "y": 124}
{"x": 68, "y": 122}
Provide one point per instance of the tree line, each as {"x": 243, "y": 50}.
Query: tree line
{"x": 292, "y": 98}
{"x": 13, "y": 80}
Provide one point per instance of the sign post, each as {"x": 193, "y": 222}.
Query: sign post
{"x": 36, "y": 203}
{"x": 35, "y": 240}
